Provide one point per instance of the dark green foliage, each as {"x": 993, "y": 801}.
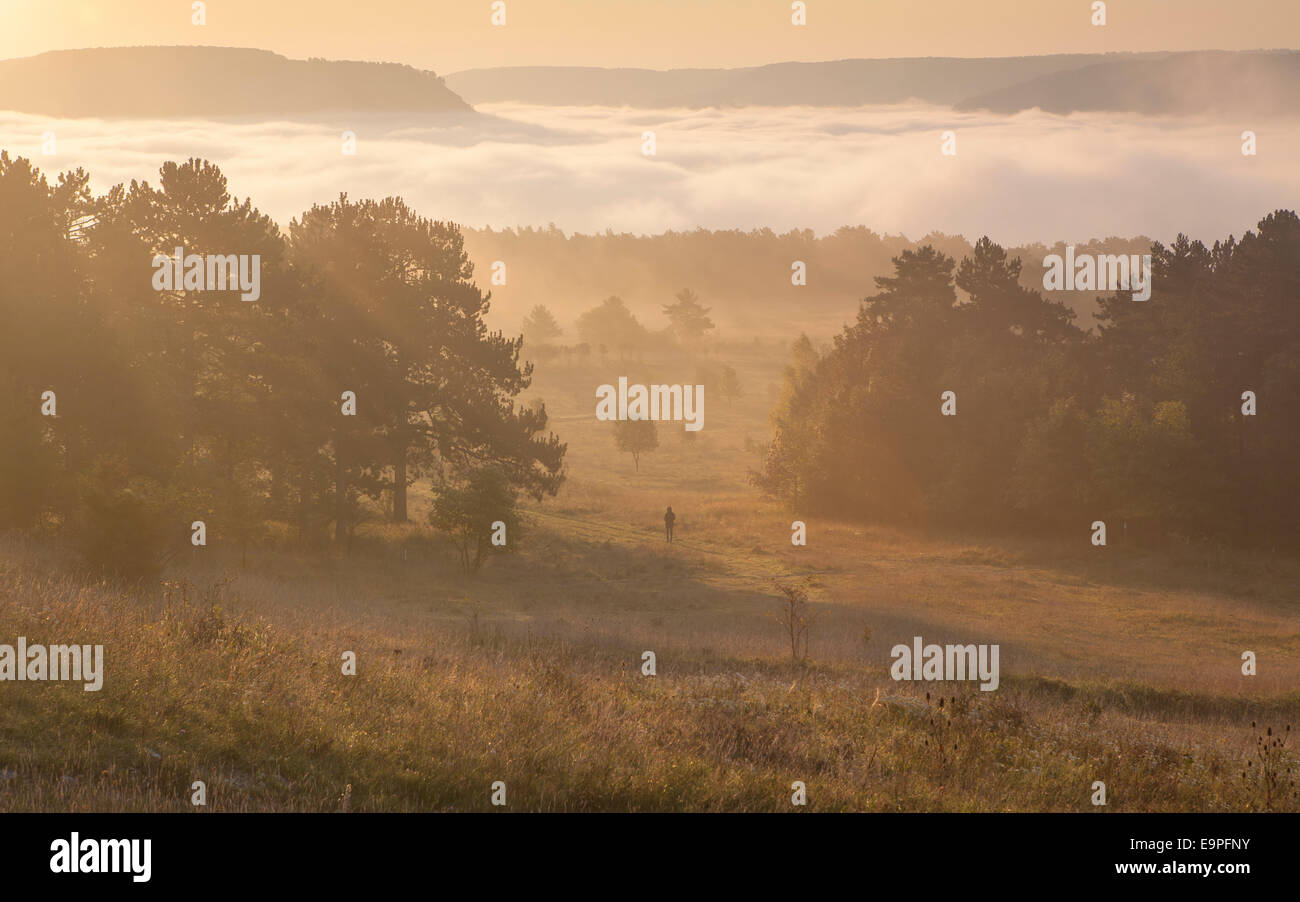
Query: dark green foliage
{"x": 611, "y": 325}
{"x": 470, "y": 511}
{"x": 123, "y": 527}
{"x": 1140, "y": 422}
{"x": 689, "y": 318}
{"x": 176, "y": 405}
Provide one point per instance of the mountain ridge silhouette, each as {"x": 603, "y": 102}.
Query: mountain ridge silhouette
{"x": 179, "y": 81}
{"x": 1157, "y": 82}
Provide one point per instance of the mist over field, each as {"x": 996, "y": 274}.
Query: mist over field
{"x": 1021, "y": 178}
{"x": 354, "y": 425}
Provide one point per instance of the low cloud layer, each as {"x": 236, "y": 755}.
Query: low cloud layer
{"x": 1021, "y": 178}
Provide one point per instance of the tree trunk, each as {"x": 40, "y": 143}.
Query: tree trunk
{"x": 304, "y": 501}
{"x": 340, "y": 491}
{"x": 399, "y": 485}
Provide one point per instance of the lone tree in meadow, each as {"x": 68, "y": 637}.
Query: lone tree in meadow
{"x": 611, "y": 325}
{"x": 540, "y": 327}
{"x": 689, "y": 318}
{"x": 472, "y": 513}
{"x": 795, "y": 617}
{"x": 729, "y": 385}
{"x": 636, "y": 437}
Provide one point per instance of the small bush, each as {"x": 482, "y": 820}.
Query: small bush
{"x": 122, "y": 527}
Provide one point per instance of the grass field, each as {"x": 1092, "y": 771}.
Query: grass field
{"x": 1115, "y": 666}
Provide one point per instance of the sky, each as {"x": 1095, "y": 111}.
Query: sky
{"x": 1020, "y": 178}
{"x": 451, "y": 35}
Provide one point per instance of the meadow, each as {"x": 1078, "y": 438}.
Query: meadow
{"x": 1118, "y": 665}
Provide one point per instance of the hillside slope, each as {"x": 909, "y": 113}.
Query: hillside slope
{"x": 1183, "y": 84}
{"x": 162, "y": 82}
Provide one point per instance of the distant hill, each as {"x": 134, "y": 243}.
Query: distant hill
{"x": 836, "y": 83}
{"x": 1202, "y": 82}
{"x": 1245, "y": 81}
{"x": 145, "y": 82}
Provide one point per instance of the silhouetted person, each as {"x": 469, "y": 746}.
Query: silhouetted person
{"x": 669, "y": 517}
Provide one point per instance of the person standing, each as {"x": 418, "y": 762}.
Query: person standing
{"x": 669, "y": 518}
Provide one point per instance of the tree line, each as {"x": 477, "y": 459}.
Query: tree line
{"x": 611, "y": 326}
{"x": 1145, "y": 424}
{"x": 737, "y": 270}
{"x": 176, "y": 406}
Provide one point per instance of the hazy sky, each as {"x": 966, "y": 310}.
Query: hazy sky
{"x": 450, "y": 35}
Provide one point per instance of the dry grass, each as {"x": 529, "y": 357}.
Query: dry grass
{"x": 1121, "y": 669}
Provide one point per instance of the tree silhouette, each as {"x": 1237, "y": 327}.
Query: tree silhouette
{"x": 729, "y": 385}
{"x": 540, "y": 327}
{"x": 611, "y": 325}
{"x": 469, "y": 513}
{"x": 689, "y": 318}
{"x": 405, "y": 331}
{"x": 636, "y": 437}
{"x": 1141, "y": 422}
